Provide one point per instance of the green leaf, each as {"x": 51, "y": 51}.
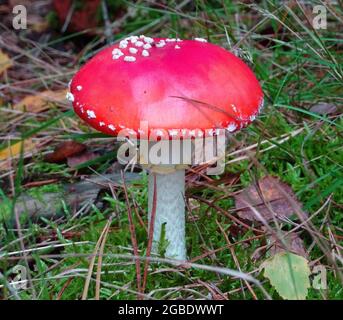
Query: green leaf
{"x": 289, "y": 274}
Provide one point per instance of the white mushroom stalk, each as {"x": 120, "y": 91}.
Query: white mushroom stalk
{"x": 169, "y": 221}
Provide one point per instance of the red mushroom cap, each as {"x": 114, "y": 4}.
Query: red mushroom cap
{"x": 177, "y": 86}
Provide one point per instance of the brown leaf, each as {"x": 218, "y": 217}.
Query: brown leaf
{"x": 76, "y": 160}
{"x": 273, "y": 202}
{"x": 323, "y": 108}
{"x": 293, "y": 243}
{"x": 65, "y": 150}
{"x": 82, "y": 18}
{"x": 40, "y": 102}
{"x": 75, "y": 195}
{"x": 5, "y": 62}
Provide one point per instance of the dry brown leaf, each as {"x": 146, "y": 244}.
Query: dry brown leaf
{"x": 40, "y": 102}
{"x": 293, "y": 243}
{"x": 323, "y": 108}
{"x": 65, "y": 150}
{"x": 5, "y": 62}
{"x": 273, "y": 202}
{"x": 78, "y": 159}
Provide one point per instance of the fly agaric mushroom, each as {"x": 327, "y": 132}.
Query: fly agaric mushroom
{"x": 182, "y": 89}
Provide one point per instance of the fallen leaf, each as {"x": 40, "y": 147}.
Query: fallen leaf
{"x": 293, "y": 243}
{"x": 75, "y": 195}
{"x": 4, "y": 9}
{"x": 323, "y": 108}
{"x": 273, "y": 202}
{"x": 5, "y": 62}
{"x": 78, "y": 159}
{"x": 13, "y": 151}
{"x": 289, "y": 274}
{"x": 40, "y": 102}
{"x": 82, "y": 18}
{"x": 65, "y": 150}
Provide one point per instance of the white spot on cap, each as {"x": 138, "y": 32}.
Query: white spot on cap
{"x": 79, "y": 88}
{"x": 184, "y": 132}
{"x": 133, "y": 50}
{"x": 131, "y": 131}
{"x": 147, "y": 46}
{"x": 117, "y": 52}
{"x": 123, "y": 44}
{"x": 210, "y": 132}
{"x": 129, "y": 59}
{"x": 231, "y": 127}
{"x": 200, "y": 39}
{"x": 69, "y": 84}
{"x": 159, "y": 132}
{"x": 112, "y": 127}
{"x": 70, "y": 97}
{"x": 139, "y": 44}
{"x": 101, "y": 123}
{"x": 148, "y": 39}
{"x": 252, "y": 117}
{"x": 133, "y": 39}
{"x": 145, "y": 53}
{"x": 160, "y": 44}
{"x": 173, "y": 132}
{"x": 170, "y": 40}
{"x": 177, "y": 47}
{"x": 91, "y": 114}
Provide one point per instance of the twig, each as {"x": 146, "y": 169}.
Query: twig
{"x": 98, "y": 270}
{"x": 234, "y": 256}
{"x": 68, "y": 17}
{"x": 92, "y": 262}
{"x": 108, "y": 27}
{"x": 22, "y": 247}
{"x": 151, "y": 233}
{"x": 133, "y": 237}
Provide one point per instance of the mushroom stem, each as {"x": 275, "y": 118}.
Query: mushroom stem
{"x": 169, "y": 226}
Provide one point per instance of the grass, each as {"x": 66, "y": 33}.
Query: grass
{"x": 298, "y": 67}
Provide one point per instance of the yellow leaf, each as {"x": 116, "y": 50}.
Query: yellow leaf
{"x": 14, "y": 150}
{"x": 40, "y": 102}
{"x": 5, "y": 62}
